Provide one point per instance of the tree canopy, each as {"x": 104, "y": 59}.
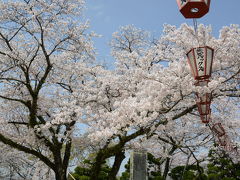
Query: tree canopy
{"x": 56, "y": 97}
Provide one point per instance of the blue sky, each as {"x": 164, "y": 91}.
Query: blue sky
{"x": 106, "y": 16}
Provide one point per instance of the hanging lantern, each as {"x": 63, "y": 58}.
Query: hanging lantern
{"x": 222, "y": 140}
{"x": 204, "y": 102}
{"x": 202, "y": 83}
{"x": 205, "y": 97}
{"x": 229, "y": 147}
{"x": 206, "y": 118}
{"x": 193, "y": 8}
{"x": 200, "y": 60}
{"x": 218, "y": 129}
{"x": 204, "y": 111}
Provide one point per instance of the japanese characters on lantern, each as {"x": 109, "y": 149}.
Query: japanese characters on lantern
{"x": 200, "y": 60}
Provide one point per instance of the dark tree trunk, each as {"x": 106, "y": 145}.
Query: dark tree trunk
{"x": 60, "y": 164}
{"x": 61, "y": 175}
{"x": 117, "y": 163}
{"x": 60, "y": 172}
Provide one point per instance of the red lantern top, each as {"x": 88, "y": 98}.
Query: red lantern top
{"x": 193, "y": 8}
{"x": 200, "y": 60}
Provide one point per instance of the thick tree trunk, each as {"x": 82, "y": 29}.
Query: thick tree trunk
{"x": 60, "y": 164}
{"x": 62, "y": 176}
{"x": 60, "y": 173}
{"x": 117, "y": 163}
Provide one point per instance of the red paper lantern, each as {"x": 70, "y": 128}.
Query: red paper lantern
{"x": 222, "y": 140}
{"x": 202, "y": 83}
{"x": 193, "y": 8}
{"x": 206, "y": 118}
{"x": 218, "y": 129}
{"x": 204, "y": 98}
{"x": 204, "y": 102}
{"x": 200, "y": 60}
{"x": 204, "y": 108}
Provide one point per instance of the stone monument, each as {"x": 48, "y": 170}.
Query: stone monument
{"x": 138, "y": 165}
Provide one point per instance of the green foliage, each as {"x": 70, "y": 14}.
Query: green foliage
{"x": 190, "y": 172}
{"x": 83, "y": 173}
{"x": 126, "y": 174}
{"x": 222, "y": 167}
{"x": 154, "y": 164}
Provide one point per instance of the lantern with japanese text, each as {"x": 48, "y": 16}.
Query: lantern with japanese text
{"x": 204, "y": 102}
{"x": 193, "y": 8}
{"x": 200, "y": 60}
{"x": 218, "y": 129}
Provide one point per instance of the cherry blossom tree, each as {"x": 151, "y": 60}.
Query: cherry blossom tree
{"x": 152, "y": 88}
{"x": 14, "y": 165}
{"x": 44, "y": 51}
{"x": 53, "y": 93}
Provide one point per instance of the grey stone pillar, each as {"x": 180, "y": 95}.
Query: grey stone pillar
{"x": 138, "y": 165}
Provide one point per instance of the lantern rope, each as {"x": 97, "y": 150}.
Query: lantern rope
{"x": 195, "y": 25}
